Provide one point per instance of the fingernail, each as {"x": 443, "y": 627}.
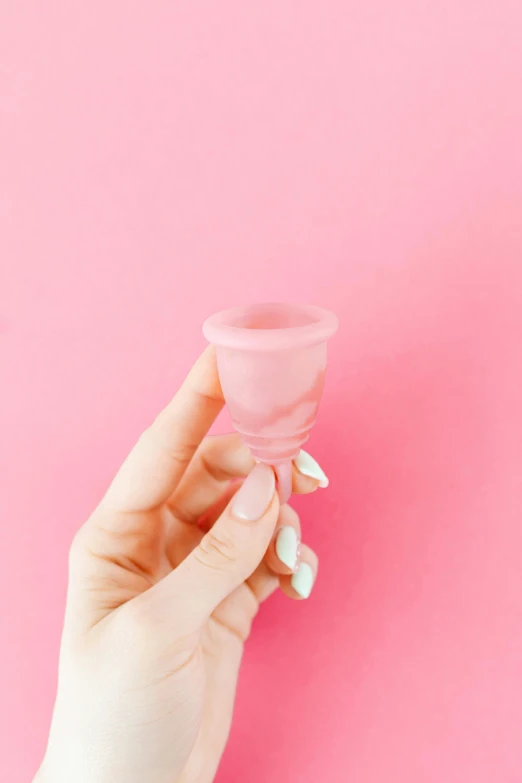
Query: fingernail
{"x": 307, "y": 465}
{"x": 303, "y": 580}
{"x": 287, "y": 546}
{"x": 254, "y": 497}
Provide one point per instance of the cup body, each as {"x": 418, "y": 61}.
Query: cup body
{"x": 273, "y": 398}
{"x": 272, "y": 364}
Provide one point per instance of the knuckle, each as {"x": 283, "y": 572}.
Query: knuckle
{"x": 218, "y": 549}
{"x": 154, "y": 439}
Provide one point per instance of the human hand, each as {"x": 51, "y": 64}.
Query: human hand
{"x": 165, "y": 580}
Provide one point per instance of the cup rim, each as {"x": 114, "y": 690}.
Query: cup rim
{"x": 218, "y": 330}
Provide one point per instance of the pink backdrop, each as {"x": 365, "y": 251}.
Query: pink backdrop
{"x": 162, "y": 160}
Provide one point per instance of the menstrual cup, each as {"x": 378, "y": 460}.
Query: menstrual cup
{"x": 272, "y": 363}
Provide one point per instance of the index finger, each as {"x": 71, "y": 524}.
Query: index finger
{"x": 156, "y": 464}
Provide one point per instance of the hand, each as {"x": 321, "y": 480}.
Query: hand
{"x": 158, "y": 610}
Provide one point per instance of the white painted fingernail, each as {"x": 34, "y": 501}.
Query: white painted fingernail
{"x": 287, "y": 546}
{"x": 303, "y": 580}
{"x": 307, "y": 465}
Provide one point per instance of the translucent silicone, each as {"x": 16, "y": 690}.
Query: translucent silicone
{"x": 272, "y": 364}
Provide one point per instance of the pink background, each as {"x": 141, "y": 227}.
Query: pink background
{"x": 161, "y": 160}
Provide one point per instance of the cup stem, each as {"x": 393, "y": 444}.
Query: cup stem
{"x": 284, "y": 480}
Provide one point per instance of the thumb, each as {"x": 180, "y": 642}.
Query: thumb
{"x": 228, "y": 554}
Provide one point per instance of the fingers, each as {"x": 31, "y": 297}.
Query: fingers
{"x": 263, "y": 582}
{"x": 294, "y": 563}
{"x": 283, "y": 553}
{"x": 209, "y": 484}
{"x": 308, "y": 475}
{"x": 218, "y": 460}
{"x": 153, "y": 469}
{"x": 215, "y": 511}
{"x": 238, "y": 611}
{"x": 299, "y": 584}
{"x": 228, "y": 554}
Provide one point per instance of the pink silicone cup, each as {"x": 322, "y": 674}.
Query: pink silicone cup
{"x": 272, "y": 364}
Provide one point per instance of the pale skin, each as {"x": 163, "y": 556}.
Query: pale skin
{"x": 165, "y": 580}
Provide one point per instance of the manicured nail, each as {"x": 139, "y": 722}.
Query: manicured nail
{"x": 287, "y": 546}
{"x": 307, "y": 465}
{"x": 254, "y": 497}
{"x": 303, "y": 580}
